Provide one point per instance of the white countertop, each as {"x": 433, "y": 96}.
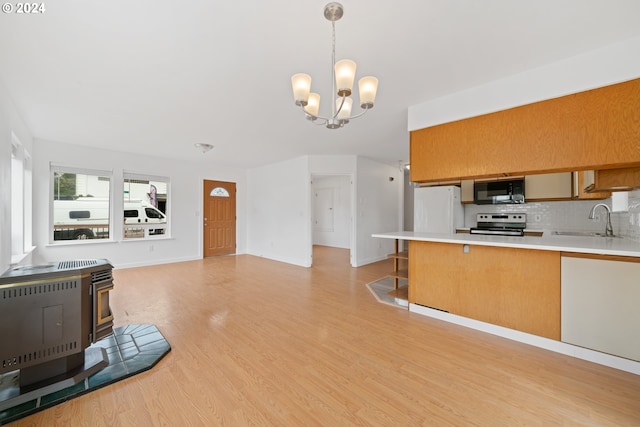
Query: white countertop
{"x": 546, "y": 242}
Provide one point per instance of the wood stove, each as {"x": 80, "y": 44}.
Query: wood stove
{"x": 49, "y": 316}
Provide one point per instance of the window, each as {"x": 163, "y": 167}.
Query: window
{"x": 80, "y": 203}
{"x": 21, "y": 186}
{"x": 146, "y": 199}
{"x": 219, "y": 192}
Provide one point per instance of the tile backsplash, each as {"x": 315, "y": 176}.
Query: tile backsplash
{"x": 567, "y": 215}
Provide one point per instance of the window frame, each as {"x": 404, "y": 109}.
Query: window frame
{"x": 145, "y": 231}
{"x": 99, "y": 173}
{"x": 21, "y": 201}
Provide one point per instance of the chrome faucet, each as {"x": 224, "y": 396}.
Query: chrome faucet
{"x": 608, "y": 232}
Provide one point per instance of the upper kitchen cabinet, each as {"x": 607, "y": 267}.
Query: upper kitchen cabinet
{"x": 540, "y": 187}
{"x": 548, "y": 186}
{"x": 622, "y": 179}
{"x": 584, "y": 186}
{"x": 595, "y": 129}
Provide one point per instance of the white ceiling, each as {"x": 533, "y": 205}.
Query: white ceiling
{"x": 157, "y": 76}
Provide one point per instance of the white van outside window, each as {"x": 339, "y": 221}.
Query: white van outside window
{"x": 80, "y": 204}
{"x": 146, "y": 202}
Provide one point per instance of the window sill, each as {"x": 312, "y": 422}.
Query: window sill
{"x": 17, "y": 259}
{"x": 80, "y": 242}
{"x": 106, "y": 241}
{"x": 146, "y": 239}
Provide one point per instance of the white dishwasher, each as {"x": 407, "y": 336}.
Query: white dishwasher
{"x": 601, "y": 305}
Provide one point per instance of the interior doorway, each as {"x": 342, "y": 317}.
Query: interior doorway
{"x": 219, "y": 219}
{"x": 331, "y": 212}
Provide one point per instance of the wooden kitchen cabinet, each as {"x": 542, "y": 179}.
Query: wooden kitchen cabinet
{"x": 510, "y": 287}
{"x": 466, "y": 190}
{"x": 600, "y": 304}
{"x": 595, "y": 129}
{"x": 584, "y": 180}
{"x": 623, "y": 179}
{"x": 548, "y": 186}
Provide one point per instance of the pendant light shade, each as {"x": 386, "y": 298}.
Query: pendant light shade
{"x": 301, "y": 84}
{"x": 313, "y": 105}
{"x": 345, "y": 71}
{"x": 345, "y": 111}
{"x": 368, "y": 87}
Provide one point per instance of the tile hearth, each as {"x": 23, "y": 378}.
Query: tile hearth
{"x": 131, "y": 349}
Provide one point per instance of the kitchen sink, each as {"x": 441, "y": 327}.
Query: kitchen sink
{"x": 581, "y": 234}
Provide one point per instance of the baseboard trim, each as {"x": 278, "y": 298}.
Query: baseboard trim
{"x": 604, "y": 359}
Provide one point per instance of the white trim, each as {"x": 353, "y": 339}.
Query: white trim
{"x": 611, "y": 361}
{"x": 57, "y": 167}
{"x": 144, "y": 176}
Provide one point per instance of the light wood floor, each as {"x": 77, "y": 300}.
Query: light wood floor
{"x": 258, "y": 342}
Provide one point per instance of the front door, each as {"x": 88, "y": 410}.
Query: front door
{"x": 219, "y": 218}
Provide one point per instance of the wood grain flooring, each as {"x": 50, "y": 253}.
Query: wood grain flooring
{"x": 259, "y": 342}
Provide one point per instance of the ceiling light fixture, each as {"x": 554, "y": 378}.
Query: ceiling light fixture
{"x": 203, "y": 147}
{"x": 342, "y": 75}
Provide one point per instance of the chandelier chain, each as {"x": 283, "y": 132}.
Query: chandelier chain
{"x": 333, "y": 67}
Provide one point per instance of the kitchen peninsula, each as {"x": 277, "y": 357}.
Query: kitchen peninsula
{"x": 532, "y": 289}
{"x": 575, "y": 295}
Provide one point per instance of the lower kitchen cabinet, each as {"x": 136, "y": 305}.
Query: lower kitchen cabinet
{"x": 514, "y": 288}
{"x": 601, "y": 305}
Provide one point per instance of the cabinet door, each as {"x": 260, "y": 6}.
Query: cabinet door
{"x": 514, "y": 288}
{"x": 549, "y": 186}
{"x": 584, "y": 180}
{"x": 623, "y": 179}
{"x": 600, "y": 305}
{"x": 572, "y": 132}
{"x": 466, "y": 190}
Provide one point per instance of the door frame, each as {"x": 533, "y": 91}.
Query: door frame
{"x": 201, "y": 214}
{"x": 352, "y": 201}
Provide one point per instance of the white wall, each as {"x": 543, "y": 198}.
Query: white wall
{"x": 377, "y": 203}
{"x": 378, "y": 208}
{"x": 612, "y": 64}
{"x": 185, "y": 205}
{"x": 279, "y": 212}
{"x": 339, "y": 236}
{"x": 10, "y": 122}
{"x": 279, "y": 217}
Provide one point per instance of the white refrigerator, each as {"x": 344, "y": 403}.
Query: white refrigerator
{"x": 437, "y": 209}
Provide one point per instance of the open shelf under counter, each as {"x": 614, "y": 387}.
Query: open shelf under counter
{"x": 399, "y": 273}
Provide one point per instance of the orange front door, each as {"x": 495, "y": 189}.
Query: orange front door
{"x": 219, "y": 218}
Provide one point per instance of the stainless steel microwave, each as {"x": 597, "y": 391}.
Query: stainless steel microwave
{"x": 508, "y": 191}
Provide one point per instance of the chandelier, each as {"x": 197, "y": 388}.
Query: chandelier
{"x": 343, "y": 74}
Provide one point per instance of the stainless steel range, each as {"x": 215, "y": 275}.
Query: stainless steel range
{"x": 502, "y": 224}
